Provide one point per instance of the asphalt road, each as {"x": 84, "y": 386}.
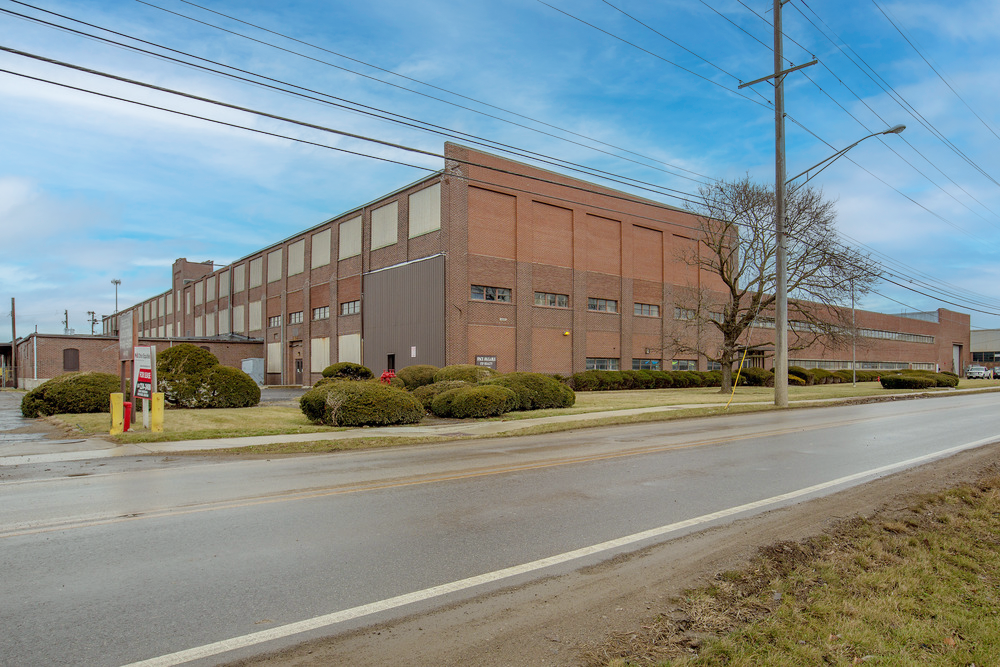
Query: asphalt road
{"x": 161, "y": 561}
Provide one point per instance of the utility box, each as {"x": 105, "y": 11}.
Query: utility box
{"x": 255, "y": 369}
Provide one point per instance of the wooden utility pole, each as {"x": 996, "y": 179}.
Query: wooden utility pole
{"x": 13, "y": 342}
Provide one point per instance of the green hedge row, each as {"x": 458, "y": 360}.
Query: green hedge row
{"x": 360, "y": 403}
{"x": 72, "y": 393}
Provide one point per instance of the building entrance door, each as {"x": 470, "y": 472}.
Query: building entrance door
{"x": 956, "y": 359}
{"x": 298, "y": 372}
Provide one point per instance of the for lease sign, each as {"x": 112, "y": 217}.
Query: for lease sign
{"x": 144, "y": 381}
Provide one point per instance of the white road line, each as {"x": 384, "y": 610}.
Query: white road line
{"x": 327, "y": 620}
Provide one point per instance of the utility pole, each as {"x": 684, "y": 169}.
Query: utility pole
{"x": 66, "y": 322}
{"x": 781, "y": 269}
{"x": 780, "y": 258}
{"x": 93, "y": 321}
{"x": 13, "y": 339}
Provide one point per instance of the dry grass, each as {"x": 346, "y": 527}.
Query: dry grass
{"x": 920, "y": 586}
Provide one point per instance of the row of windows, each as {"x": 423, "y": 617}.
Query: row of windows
{"x": 768, "y": 323}
{"x": 503, "y": 294}
{"x": 609, "y": 364}
{"x": 985, "y": 357}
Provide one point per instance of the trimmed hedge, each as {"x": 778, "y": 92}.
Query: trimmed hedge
{"x": 907, "y": 382}
{"x": 417, "y": 376}
{"x": 226, "y": 387}
{"x": 72, "y": 393}
{"x": 803, "y": 374}
{"x": 465, "y": 372}
{"x": 535, "y": 391}
{"x": 346, "y": 370}
{"x": 474, "y": 401}
{"x": 352, "y": 403}
{"x": 756, "y": 377}
{"x": 427, "y": 393}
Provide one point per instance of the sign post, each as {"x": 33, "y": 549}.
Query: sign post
{"x": 128, "y": 338}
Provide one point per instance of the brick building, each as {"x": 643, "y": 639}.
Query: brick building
{"x": 494, "y": 262}
{"x": 41, "y": 357}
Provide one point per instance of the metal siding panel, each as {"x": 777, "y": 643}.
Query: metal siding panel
{"x": 403, "y": 308}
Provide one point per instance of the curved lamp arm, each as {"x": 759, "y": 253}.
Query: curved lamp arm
{"x": 896, "y": 129}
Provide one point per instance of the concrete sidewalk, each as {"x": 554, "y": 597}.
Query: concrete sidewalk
{"x": 46, "y": 451}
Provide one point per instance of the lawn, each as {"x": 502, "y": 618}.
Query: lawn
{"x": 282, "y": 420}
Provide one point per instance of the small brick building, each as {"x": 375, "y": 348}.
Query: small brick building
{"x": 494, "y": 262}
{"x": 41, "y": 357}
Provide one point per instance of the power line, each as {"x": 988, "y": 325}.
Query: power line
{"x": 417, "y": 92}
{"x": 356, "y": 108}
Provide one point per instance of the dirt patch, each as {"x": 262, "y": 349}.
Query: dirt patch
{"x": 567, "y": 620}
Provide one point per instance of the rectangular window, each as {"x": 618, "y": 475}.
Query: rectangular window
{"x": 385, "y": 225}
{"x": 350, "y": 238}
{"x": 602, "y": 305}
{"x": 714, "y": 366}
{"x": 274, "y": 266}
{"x": 274, "y": 321}
{"x": 554, "y": 300}
{"x": 321, "y": 251}
{"x": 425, "y": 210}
{"x": 684, "y": 314}
{"x": 297, "y": 257}
{"x": 645, "y": 364}
{"x": 295, "y": 318}
{"x": 350, "y": 307}
{"x": 683, "y": 365}
{"x": 647, "y": 309}
{"x": 483, "y": 293}
{"x": 256, "y": 272}
{"x": 597, "y": 364}
{"x": 322, "y": 313}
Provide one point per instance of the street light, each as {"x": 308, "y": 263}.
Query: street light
{"x": 781, "y": 293}
{"x": 116, "y": 283}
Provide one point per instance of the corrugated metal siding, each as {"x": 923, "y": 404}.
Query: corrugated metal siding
{"x": 402, "y": 311}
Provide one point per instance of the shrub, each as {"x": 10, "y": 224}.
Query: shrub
{"x": 795, "y": 381}
{"x": 661, "y": 379}
{"x": 428, "y": 392}
{"x": 474, "y": 401}
{"x": 346, "y": 370}
{"x": 535, "y": 391}
{"x": 585, "y": 381}
{"x": 73, "y": 393}
{"x": 906, "y": 382}
{"x": 178, "y": 369}
{"x": 351, "y": 403}
{"x": 757, "y": 377}
{"x": 610, "y": 380}
{"x": 417, "y": 376}
{"x": 804, "y": 374}
{"x": 711, "y": 378}
{"x": 226, "y": 387}
{"x": 684, "y": 379}
{"x": 823, "y": 376}
{"x": 465, "y": 372}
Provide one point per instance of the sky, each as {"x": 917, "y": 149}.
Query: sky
{"x": 95, "y": 189}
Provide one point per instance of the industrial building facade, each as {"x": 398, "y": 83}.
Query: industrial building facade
{"x": 494, "y": 262}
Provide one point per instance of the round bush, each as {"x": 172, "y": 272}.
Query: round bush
{"x": 823, "y": 376}
{"x": 417, "y": 376}
{"x": 661, "y": 379}
{"x": 535, "y": 391}
{"x": 427, "y": 393}
{"x": 795, "y": 381}
{"x": 177, "y": 370}
{"x": 73, "y": 393}
{"x": 474, "y": 401}
{"x": 465, "y": 372}
{"x": 226, "y": 387}
{"x": 346, "y": 370}
{"x": 352, "y": 403}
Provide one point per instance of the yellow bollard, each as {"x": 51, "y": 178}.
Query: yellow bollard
{"x": 117, "y": 413}
{"x": 156, "y": 412}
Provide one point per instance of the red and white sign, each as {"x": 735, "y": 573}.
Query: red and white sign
{"x": 144, "y": 380}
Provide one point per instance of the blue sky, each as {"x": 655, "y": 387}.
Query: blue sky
{"x": 93, "y": 189}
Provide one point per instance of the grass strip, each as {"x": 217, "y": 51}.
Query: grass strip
{"x": 917, "y": 586}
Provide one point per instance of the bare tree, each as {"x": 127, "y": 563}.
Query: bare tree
{"x": 736, "y": 258}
